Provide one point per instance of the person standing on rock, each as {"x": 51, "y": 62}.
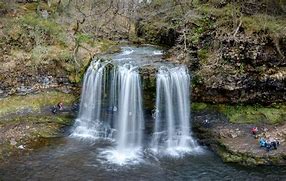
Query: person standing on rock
{"x": 61, "y": 106}
{"x": 58, "y": 107}
{"x": 262, "y": 142}
{"x": 274, "y": 143}
{"x": 254, "y": 131}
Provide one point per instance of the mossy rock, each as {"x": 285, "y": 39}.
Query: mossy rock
{"x": 31, "y": 132}
{"x": 246, "y": 114}
{"x": 34, "y": 102}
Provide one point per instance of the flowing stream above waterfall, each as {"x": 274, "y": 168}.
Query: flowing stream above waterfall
{"x": 119, "y": 135}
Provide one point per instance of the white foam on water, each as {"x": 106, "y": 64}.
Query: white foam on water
{"x": 127, "y": 51}
{"x": 158, "y": 52}
{"x": 129, "y": 156}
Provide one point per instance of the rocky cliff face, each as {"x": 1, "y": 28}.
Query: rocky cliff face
{"x": 235, "y": 56}
{"x": 245, "y": 69}
{"x": 17, "y": 77}
{"x": 42, "y": 48}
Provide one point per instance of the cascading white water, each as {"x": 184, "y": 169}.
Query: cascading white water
{"x": 112, "y": 107}
{"x": 172, "y": 121}
{"x": 130, "y": 112}
{"x": 124, "y": 113}
{"x": 129, "y": 125}
{"x": 89, "y": 123}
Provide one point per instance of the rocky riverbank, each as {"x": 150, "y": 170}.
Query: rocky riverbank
{"x": 25, "y": 121}
{"x": 234, "y": 142}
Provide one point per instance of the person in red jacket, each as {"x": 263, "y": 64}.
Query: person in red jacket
{"x": 254, "y": 130}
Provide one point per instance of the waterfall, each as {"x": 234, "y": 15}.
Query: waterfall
{"x": 89, "y": 123}
{"x": 111, "y": 107}
{"x": 130, "y": 112}
{"x": 172, "y": 115}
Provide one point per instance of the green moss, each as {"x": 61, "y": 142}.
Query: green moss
{"x": 37, "y": 130}
{"x": 254, "y": 114}
{"x": 105, "y": 45}
{"x": 83, "y": 38}
{"x": 77, "y": 73}
{"x": 59, "y": 119}
{"x": 199, "y": 106}
{"x": 247, "y": 114}
{"x": 2, "y": 5}
{"x": 75, "y": 77}
{"x": 35, "y": 21}
{"x": 33, "y": 102}
{"x": 203, "y": 54}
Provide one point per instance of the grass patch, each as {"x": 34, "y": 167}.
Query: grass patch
{"x": 262, "y": 22}
{"x": 60, "y": 119}
{"x": 33, "y": 103}
{"x": 255, "y": 23}
{"x": 84, "y": 38}
{"x": 227, "y": 11}
{"x": 104, "y": 44}
{"x": 44, "y": 54}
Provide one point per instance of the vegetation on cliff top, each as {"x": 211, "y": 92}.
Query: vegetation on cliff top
{"x": 49, "y": 35}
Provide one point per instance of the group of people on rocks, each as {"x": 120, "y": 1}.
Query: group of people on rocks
{"x": 269, "y": 144}
{"x": 264, "y": 143}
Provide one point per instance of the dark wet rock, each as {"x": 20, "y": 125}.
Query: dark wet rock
{"x": 24, "y": 80}
{"x": 148, "y": 76}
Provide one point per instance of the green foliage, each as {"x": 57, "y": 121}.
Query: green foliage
{"x": 260, "y": 22}
{"x": 226, "y": 17}
{"x": 44, "y": 54}
{"x": 44, "y": 30}
{"x": 200, "y": 25}
{"x": 2, "y": 5}
{"x": 83, "y": 38}
{"x": 203, "y": 54}
{"x": 197, "y": 106}
{"x": 228, "y": 10}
